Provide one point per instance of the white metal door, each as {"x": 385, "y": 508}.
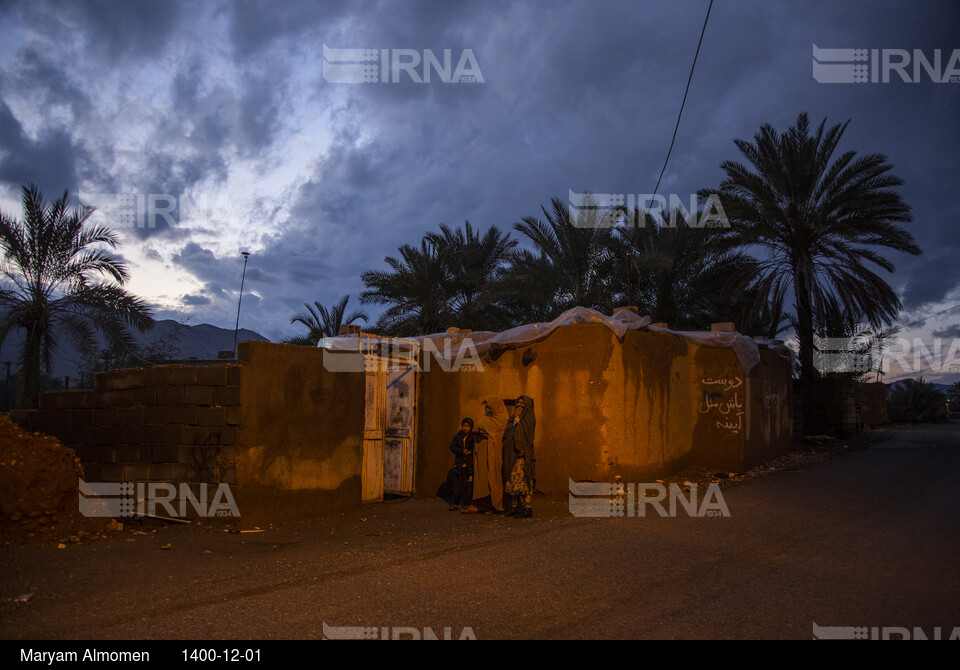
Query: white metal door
{"x": 398, "y": 456}
{"x": 389, "y": 436}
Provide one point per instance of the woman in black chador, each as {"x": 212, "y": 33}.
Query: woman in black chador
{"x": 519, "y": 462}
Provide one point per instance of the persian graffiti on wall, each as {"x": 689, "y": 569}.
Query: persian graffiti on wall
{"x": 723, "y": 400}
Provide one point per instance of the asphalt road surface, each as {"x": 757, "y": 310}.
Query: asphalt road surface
{"x": 870, "y": 539}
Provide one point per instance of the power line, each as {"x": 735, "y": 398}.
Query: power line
{"x": 682, "y": 104}
{"x": 927, "y": 366}
{"x": 949, "y": 309}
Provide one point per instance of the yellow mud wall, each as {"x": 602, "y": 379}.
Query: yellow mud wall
{"x": 299, "y": 451}
{"x": 640, "y": 408}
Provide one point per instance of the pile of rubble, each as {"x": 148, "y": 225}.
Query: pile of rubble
{"x": 39, "y": 487}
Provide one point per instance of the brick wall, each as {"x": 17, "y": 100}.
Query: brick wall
{"x": 170, "y": 423}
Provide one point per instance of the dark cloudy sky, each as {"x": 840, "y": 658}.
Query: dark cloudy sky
{"x": 226, "y": 104}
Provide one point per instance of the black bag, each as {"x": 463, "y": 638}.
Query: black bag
{"x": 447, "y": 488}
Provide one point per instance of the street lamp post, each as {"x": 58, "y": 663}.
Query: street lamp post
{"x": 236, "y": 329}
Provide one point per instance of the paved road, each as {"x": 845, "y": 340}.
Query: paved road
{"x": 870, "y": 539}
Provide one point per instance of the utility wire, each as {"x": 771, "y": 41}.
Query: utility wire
{"x": 685, "y": 92}
{"x": 633, "y": 260}
{"x": 912, "y": 323}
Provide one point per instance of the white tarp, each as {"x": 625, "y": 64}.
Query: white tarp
{"x": 448, "y": 344}
{"x": 340, "y": 343}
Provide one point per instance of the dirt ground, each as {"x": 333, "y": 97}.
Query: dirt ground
{"x": 38, "y": 490}
{"x": 39, "y": 493}
{"x": 806, "y": 453}
{"x": 818, "y": 540}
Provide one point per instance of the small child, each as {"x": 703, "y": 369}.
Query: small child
{"x": 462, "y": 448}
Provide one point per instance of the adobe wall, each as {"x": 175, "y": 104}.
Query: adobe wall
{"x": 285, "y": 434}
{"x": 650, "y": 405}
{"x": 300, "y": 449}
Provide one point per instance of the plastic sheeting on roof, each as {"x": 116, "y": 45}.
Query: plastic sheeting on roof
{"x": 340, "y": 343}
{"x": 447, "y": 345}
{"x": 744, "y": 347}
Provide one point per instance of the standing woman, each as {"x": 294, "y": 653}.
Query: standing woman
{"x": 490, "y": 441}
{"x": 519, "y": 462}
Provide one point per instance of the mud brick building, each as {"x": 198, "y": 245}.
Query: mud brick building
{"x": 301, "y": 431}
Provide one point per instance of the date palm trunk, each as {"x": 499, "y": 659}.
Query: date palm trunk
{"x": 31, "y": 369}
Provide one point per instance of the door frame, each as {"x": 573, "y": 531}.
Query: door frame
{"x": 382, "y": 354}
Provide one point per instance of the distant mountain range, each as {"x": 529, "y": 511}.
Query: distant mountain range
{"x": 943, "y": 388}
{"x": 200, "y": 341}
{"x": 176, "y": 340}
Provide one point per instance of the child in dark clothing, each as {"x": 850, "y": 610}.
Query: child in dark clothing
{"x": 462, "y": 448}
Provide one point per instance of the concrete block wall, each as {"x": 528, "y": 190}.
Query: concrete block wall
{"x": 288, "y": 440}
{"x": 170, "y": 423}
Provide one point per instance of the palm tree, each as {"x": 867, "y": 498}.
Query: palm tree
{"x": 819, "y": 222}
{"x": 953, "y": 393}
{"x": 572, "y": 258}
{"x": 916, "y": 400}
{"x": 753, "y": 314}
{"x": 531, "y": 288}
{"x": 52, "y": 269}
{"x": 322, "y": 322}
{"x": 678, "y": 277}
{"x": 853, "y": 354}
{"x": 475, "y": 264}
{"x": 418, "y": 291}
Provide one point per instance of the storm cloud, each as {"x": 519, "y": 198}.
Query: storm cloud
{"x": 224, "y": 105}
